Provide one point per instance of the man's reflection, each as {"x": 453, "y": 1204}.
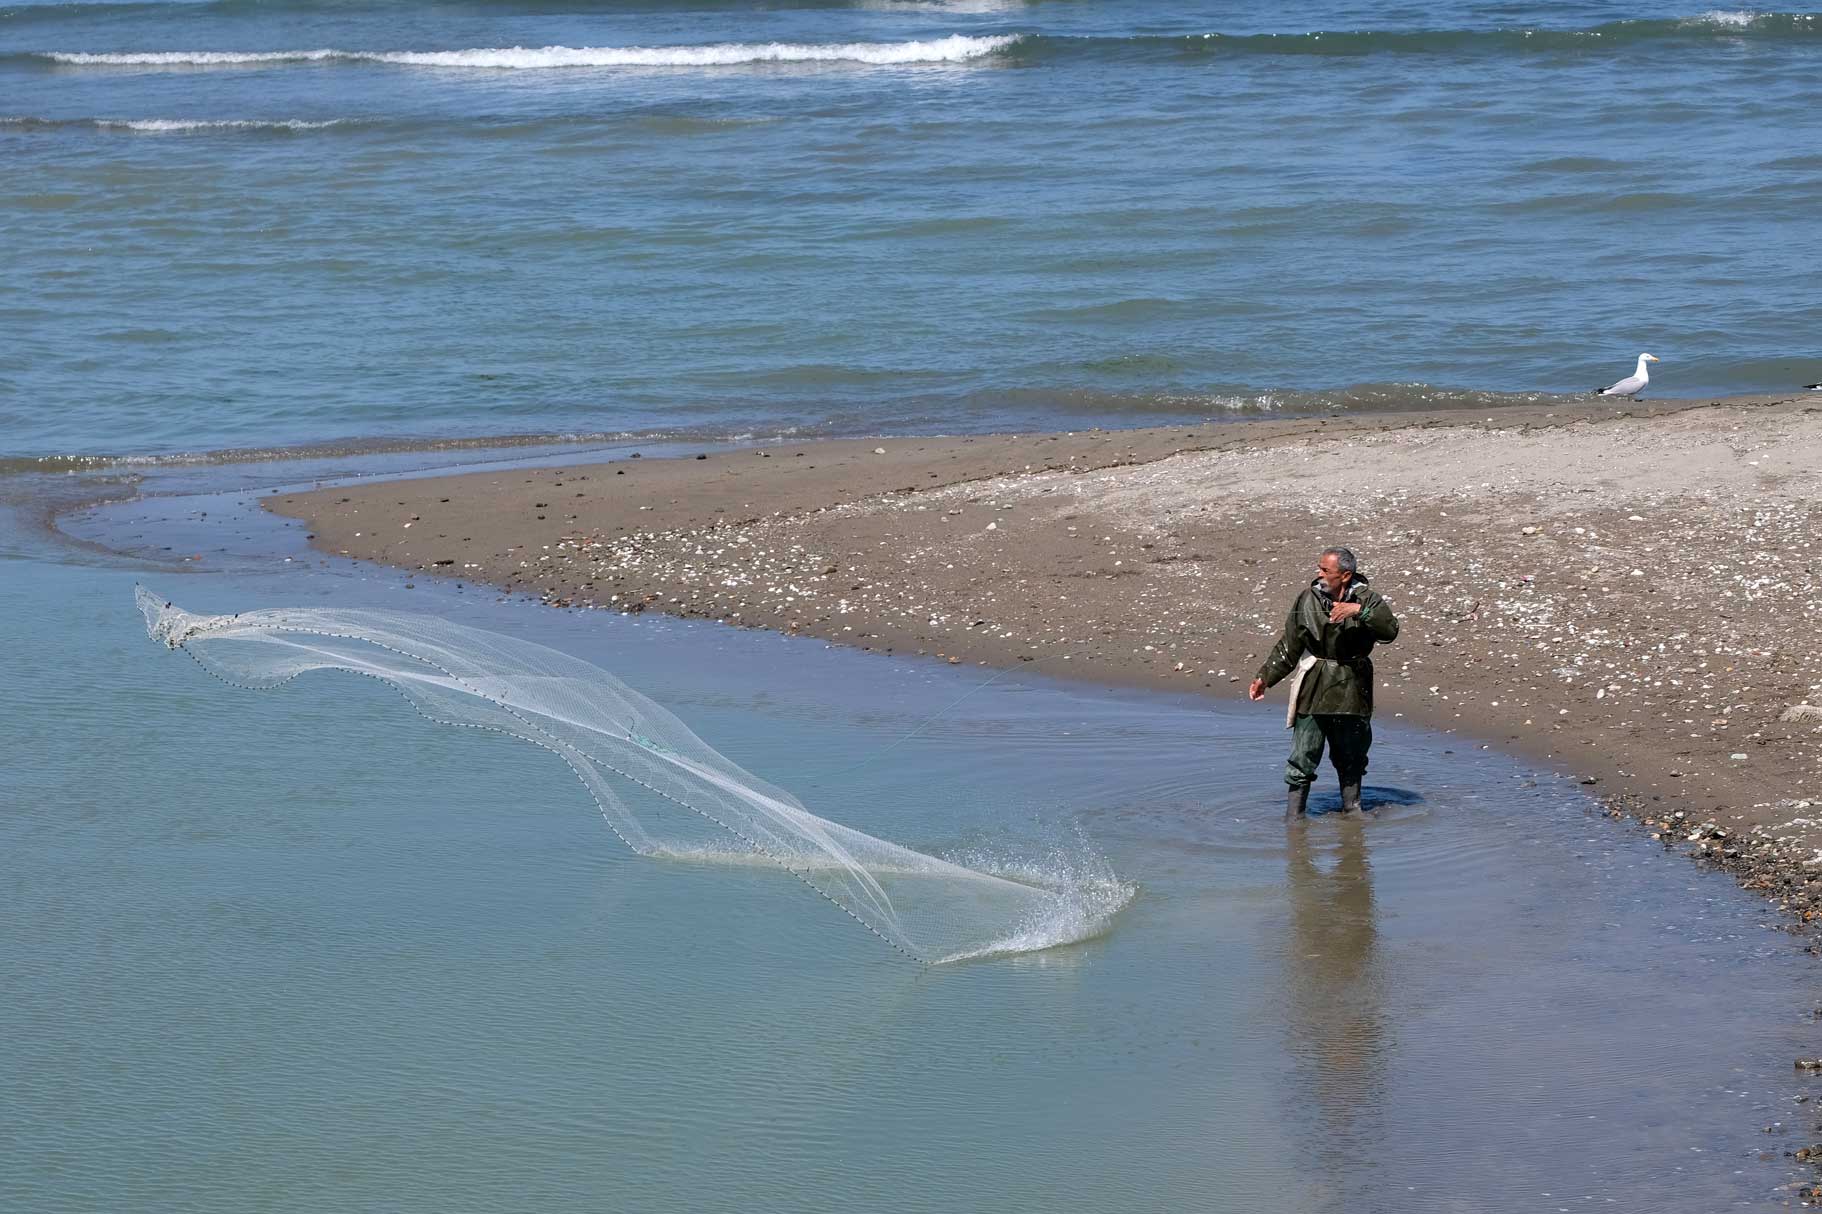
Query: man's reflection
{"x": 1336, "y": 1019}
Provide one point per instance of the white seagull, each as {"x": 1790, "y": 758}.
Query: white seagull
{"x": 1812, "y": 387}
{"x": 1633, "y": 384}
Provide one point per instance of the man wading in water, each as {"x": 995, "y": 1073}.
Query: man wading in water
{"x": 1331, "y": 629}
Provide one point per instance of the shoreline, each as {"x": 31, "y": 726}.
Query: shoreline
{"x": 1615, "y": 589}
{"x": 586, "y": 442}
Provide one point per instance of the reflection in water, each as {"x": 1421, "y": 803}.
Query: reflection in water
{"x": 1336, "y": 1017}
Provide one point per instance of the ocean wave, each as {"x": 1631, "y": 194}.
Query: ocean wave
{"x": 1727, "y": 19}
{"x": 1717, "y": 26}
{"x": 171, "y": 126}
{"x": 160, "y": 126}
{"x": 1146, "y": 408}
{"x": 187, "y": 58}
{"x": 953, "y": 49}
{"x": 50, "y": 12}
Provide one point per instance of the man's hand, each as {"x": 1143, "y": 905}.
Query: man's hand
{"x": 1343, "y": 611}
{"x": 1256, "y": 690}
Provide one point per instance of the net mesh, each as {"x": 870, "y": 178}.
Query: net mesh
{"x": 663, "y": 790}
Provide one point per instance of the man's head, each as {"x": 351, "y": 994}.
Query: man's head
{"x": 1335, "y": 568}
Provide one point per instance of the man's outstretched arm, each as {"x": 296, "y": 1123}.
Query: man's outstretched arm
{"x": 1282, "y": 659}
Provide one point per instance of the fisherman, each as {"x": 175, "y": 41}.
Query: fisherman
{"x": 1330, "y": 630}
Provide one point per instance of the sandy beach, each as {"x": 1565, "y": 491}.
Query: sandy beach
{"x": 1624, "y": 591}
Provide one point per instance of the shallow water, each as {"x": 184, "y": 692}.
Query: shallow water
{"x": 976, "y": 216}
{"x": 301, "y": 950}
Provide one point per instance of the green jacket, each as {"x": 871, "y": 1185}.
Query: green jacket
{"x": 1342, "y": 683}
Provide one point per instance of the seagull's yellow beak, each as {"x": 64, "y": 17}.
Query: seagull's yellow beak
{"x": 1652, "y": 358}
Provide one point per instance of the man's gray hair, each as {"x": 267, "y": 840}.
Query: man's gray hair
{"x": 1344, "y": 559}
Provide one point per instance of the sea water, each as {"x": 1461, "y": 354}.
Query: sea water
{"x": 236, "y": 224}
{"x": 304, "y": 950}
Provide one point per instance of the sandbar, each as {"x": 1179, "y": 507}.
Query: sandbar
{"x": 1629, "y": 591}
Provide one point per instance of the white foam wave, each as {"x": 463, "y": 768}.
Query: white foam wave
{"x": 188, "y": 58}
{"x": 954, "y": 49}
{"x": 1726, "y": 18}
{"x": 161, "y": 126}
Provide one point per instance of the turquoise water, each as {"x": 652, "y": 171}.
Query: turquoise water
{"x": 302, "y": 950}
{"x": 236, "y": 224}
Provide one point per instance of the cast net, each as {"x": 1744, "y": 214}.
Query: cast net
{"x": 663, "y": 790}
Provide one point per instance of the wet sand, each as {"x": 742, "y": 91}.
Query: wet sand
{"x": 1625, "y": 590}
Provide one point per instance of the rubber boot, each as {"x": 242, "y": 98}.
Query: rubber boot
{"x": 1296, "y": 801}
{"x": 1350, "y": 797}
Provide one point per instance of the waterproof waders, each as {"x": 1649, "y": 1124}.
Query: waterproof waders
{"x": 1348, "y": 739}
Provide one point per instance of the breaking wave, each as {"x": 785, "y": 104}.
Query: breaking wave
{"x": 953, "y": 49}
{"x": 168, "y": 126}
{"x": 50, "y": 11}
{"x": 1716, "y": 26}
